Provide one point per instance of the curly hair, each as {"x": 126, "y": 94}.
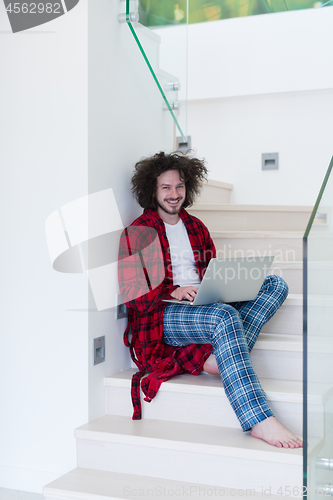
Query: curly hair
{"x": 144, "y": 181}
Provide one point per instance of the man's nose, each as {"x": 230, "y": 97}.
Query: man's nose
{"x": 173, "y": 193}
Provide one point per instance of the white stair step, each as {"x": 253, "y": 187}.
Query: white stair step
{"x": 320, "y": 350}
{"x": 278, "y": 356}
{"x": 291, "y": 272}
{"x": 230, "y": 217}
{"x": 202, "y": 400}
{"x": 280, "y": 365}
{"x": 215, "y": 192}
{"x": 279, "y": 342}
{"x": 320, "y": 244}
{"x": 289, "y": 318}
{"x": 213, "y": 455}
{"x": 320, "y": 317}
{"x": 92, "y": 484}
{"x": 285, "y": 245}
{"x": 211, "y": 385}
{"x": 320, "y": 277}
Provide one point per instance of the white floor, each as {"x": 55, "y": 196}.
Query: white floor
{"x": 6, "y": 494}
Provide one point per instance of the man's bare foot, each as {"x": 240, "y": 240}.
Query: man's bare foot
{"x": 210, "y": 365}
{"x": 271, "y": 431}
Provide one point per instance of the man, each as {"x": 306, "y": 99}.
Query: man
{"x": 164, "y": 255}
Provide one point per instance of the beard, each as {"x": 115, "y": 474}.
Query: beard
{"x": 171, "y": 210}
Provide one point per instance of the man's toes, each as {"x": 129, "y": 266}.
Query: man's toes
{"x": 296, "y": 442}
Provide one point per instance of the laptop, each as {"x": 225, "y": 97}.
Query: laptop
{"x": 233, "y": 279}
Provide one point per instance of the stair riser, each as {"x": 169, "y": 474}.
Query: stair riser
{"x": 104, "y": 485}
{"x": 198, "y": 494}
{"x": 229, "y": 220}
{"x": 320, "y": 321}
{"x": 288, "y": 319}
{"x": 59, "y": 496}
{"x": 237, "y": 494}
{"x": 320, "y": 281}
{"x": 199, "y": 409}
{"x": 320, "y": 367}
{"x": 293, "y": 277}
{"x": 284, "y": 249}
{"x": 281, "y": 365}
{"x": 213, "y": 194}
{"x": 228, "y": 472}
{"x": 320, "y": 247}
{"x": 75, "y": 495}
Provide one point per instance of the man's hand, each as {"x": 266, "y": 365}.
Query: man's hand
{"x": 184, "y": 292}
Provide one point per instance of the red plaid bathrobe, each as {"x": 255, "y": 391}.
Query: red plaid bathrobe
{"x": 145, "y": 279}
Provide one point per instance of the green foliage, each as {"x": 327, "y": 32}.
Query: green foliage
{"x": 173, "y": 12}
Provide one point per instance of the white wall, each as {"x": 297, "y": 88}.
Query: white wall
{"x": 261, "y": 84}
{"x": 270, "y": 53}
{"x": 43, "y": 165}
{"x": 233, "y": 133}
{"x": 48, "y": 384}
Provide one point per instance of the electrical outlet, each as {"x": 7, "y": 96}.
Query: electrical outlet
{"x": 121, "y": 308}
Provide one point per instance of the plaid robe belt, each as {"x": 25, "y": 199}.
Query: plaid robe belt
{"x": 145, "y": 279}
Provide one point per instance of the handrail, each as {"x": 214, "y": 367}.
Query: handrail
{"x": 320, "y": 195}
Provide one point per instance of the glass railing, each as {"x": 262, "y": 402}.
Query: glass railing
{"x": 163, "y": 47}
{"x": 318, "y": 346}
{"x": 201, "y": 11}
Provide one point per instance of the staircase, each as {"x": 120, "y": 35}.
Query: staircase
{"x": 189, "y": 442}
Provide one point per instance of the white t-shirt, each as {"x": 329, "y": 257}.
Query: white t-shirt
{"x": 182, "y": 259}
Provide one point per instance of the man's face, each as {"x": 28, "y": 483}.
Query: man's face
{"x": 170, "y": 192}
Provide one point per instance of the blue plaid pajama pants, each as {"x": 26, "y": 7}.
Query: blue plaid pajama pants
{"x": 232, "y": 330}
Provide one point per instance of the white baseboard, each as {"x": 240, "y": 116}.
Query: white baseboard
{"x": 19, "y": 478}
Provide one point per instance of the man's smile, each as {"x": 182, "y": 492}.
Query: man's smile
{"x": 173, "y": 202}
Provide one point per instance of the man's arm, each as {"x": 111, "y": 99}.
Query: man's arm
{"x": 142, "y": 276}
